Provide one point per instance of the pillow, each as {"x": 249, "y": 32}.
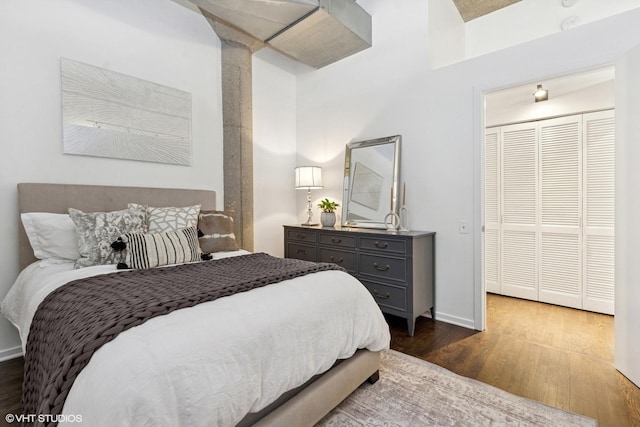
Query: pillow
{"x": 215, "y": 231}
{"x": 148, "y": 250}
{"x": 96, "y": 231}
{"x": 161, "y": 220}
{"x": 52, "y": 236}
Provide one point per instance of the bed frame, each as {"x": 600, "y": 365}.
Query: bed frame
{"x": 304, "y": 406}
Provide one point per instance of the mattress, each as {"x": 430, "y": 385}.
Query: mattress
{"x": 213, "y": 363}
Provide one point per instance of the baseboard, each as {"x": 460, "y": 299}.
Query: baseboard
{"x": 455, "y": 320}
{"x": 10, "y": 353}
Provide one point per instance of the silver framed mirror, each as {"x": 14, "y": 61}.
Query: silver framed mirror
{"x": 371, "y": 182}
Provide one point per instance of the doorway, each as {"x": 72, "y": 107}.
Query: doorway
{"x": 549, "y": 171}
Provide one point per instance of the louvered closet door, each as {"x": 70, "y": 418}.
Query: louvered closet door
{"x": 599, "y": 147}
{"x": 560, "y": 279}
{"x": 492, "y": 210}
{"x": 519, "y": 180}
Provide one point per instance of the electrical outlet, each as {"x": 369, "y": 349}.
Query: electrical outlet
{"x": 463, "y": 227}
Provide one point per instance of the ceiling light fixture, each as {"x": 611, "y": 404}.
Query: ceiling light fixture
{"x": 541, "y": 94}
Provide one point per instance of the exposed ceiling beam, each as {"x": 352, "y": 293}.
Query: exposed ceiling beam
{"x": 314, "y": 32}
{"x": 472, "y": 9}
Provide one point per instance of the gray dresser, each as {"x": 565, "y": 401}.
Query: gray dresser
{"x": 397, "y": 268}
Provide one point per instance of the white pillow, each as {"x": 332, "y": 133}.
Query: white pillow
{"x": 52, "y": 236}
{"x": 165, "y": 219}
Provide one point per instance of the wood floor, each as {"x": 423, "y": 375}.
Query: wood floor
{"x": 11, "y": 373}
{"x": 555, "y": 355}
{"x": 559, "y": 356}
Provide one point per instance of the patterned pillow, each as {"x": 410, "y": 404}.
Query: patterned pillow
{"x": 161, "y": 220}
{"x": 148, "y": 250}
{"x": 215, "y": 231}
{"x": 96, "y": 231}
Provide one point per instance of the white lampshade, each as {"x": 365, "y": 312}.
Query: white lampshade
{"x": 308, "y": 177}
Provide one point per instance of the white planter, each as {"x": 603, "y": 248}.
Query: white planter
{"x": 328, "y": 219}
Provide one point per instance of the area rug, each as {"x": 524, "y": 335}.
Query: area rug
{"x": 412, "y": 392}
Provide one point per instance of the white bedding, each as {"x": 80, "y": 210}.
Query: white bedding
{"x": 213, "y": 363}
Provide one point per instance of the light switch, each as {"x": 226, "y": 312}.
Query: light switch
{"x": 463, "y": 227}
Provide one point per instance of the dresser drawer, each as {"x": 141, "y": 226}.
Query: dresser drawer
{"x": 383, "y": 267}
{"x": 302, "y": 235}
{"x": 342, "y": 258}
{"x": 337, "y": 240}
{"x": 398, "y": 246}
{"x": 388, "y": 296}
{"x": 304, "y": 252}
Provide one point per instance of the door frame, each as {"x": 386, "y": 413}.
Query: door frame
{"x": 479, "y": 125}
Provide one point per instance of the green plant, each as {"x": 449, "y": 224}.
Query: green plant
{"x": 328, "y": 206}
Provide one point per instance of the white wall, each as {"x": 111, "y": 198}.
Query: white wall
{"x": 627, "y": 245}
{"x": 368, "y": 95}
{"x": 447, "y": 43}
{"x": 274, "y": 149}
{"x": 155, "y": 40}
{"x": 528, "y": 20}
{"x": 389, "y": 89}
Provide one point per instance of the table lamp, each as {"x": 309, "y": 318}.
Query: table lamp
{"x": 308, "y": 178}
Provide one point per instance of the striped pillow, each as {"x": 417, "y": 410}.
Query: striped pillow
{"x": 148, "y": 250}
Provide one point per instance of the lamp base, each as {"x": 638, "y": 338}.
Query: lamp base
{"x": 309, "y": 211}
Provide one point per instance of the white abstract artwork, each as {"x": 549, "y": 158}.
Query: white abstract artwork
{"x": 108, "y": 114}
{"x": 366, "y": 187}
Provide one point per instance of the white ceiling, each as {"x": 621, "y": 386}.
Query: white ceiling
{"x": 557, "y": 87}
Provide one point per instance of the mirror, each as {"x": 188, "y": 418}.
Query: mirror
{"x": 371, "y": 182}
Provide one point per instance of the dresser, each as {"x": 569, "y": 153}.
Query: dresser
{"x": 397, "y": 268}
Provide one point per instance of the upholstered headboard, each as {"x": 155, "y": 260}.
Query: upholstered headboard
{"x": 58, "y": 198}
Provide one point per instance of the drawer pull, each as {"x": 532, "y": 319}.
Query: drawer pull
{"x": 385, "y": 268}
{"x": 340, "y": 261}
{"x": 301, "y": 236}
{"x": 334, "y": 240}
{"x": 301, "y": 251}
{"x": 378, "y": 245}
{"x": 377, "y": 295}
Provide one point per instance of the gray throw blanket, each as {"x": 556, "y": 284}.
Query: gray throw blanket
{"x": 76, "y": 319}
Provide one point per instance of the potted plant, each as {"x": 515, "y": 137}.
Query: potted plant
{"x": 328, "y": 215}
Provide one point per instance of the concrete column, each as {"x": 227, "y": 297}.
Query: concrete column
{"x": 237, "y": 115}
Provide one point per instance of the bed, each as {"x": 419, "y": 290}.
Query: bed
{"x": 205, "y": 365}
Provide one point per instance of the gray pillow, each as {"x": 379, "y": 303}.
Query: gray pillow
{"x": 97, "y": 230}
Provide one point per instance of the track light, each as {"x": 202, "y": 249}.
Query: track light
{"x": 541, "y": 94}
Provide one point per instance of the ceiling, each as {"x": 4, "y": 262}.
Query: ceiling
{"x": 471, "y": 9}
{"x": 557, "y": 87}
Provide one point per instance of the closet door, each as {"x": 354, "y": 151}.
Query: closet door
{"x": 560, "y": 277}
{"x": 519, "y": 179}
{"x": 492, "y": 210}
{"x": 599, "y": 147}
